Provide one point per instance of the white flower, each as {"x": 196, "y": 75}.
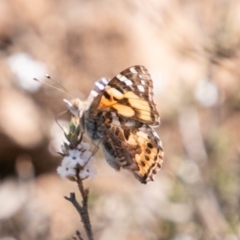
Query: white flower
{"x": 88, "y": 171}
{"x": 77, "y": 159}
{"x": 73, "y": 158}
{"x": 66, "y": 172}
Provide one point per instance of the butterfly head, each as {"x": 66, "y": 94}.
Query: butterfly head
{"x": 75, "y": 106}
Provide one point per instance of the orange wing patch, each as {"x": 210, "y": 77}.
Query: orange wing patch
{"x": 127, "y": 104}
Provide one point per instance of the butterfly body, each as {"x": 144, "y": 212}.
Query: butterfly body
{"x": 121, "y": 118}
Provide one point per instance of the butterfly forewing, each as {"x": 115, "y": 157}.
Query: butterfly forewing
{"x": 130, "y": 94}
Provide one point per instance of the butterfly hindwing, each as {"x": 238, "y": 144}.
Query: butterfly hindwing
{"x": 132, "y": 145}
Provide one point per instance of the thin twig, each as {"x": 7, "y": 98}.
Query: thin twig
{"x": 82, "y": 210}
{"x": 74, "y": 202}
{"x": 84, "y": 193}
{"x": 77, "y": 236}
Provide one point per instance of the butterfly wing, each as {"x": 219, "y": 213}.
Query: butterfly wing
{"x": 133, "y": 146}
{"x": 130, "y": 95}
{"x": 121, "y": 117}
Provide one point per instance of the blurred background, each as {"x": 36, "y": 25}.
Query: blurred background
{"x": 191, "y": 49}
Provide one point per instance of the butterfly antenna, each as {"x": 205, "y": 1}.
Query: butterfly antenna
{"x": 60, "y": 88}
{"x": 57, "y": 83}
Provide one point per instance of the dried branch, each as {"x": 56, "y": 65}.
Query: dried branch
{"x": 82, "y": 209}
{"x": 77, "y": 236}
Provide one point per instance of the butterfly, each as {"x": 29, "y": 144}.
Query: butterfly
{"x": 121, "y": 118}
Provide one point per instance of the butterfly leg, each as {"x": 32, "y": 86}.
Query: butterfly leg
{"x": 96, "y": 147}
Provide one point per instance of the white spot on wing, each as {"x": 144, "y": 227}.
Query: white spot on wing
{"x": 104, "y": 81}
{"x": 115, "y": 120}
{"x": 141, "y": 88}
{"x": 142, "y": 82}
{"x": 160, "y": 144}
{"x": 94, "y": 93}
{"x": 99, "y": 86}
{"x": 119, "y": 76}
{"x": 155, "y": 134}
{"x": 142, "y": 136}
{"x": 128, "y": 82}
{"x": 133, "y": 70}
{"x": 122, "y": 78}
{"x": 129, "y": 123}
